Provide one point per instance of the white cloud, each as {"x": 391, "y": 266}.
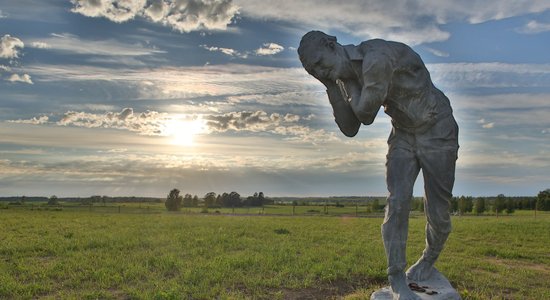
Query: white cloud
{"x": 10, "y": 46}
{"x": 237, "y": 83}
{"x": 485, "y": 124}
{"x": 4, "y": 68}
{"x": 488, "y": 125}
{"x": 2, "y": 15}
{"x": 191, "y": 15}
{"x": 114, "y": 10}
{"x": 269, "y": 49}
{"x": 152, "y": 123}
{"x": 490, "y": 75}
{"x": 145, "y": 123}
{"x": 413, "y": 22}
{"x": 34, "y": 120}
{"x": 157, "y": 10}
{"x": 25, "y": 78}
{"x": 534, "y": 27}
{"x": 266, "y": 49}
{"x": 226, "y": 51}
{"x": 70, "y": 43}
{"x": 257, "y": 121}
{"x": 437, "y": 52}
{"x": 180, "y": 15}
{"x": 40, "y": 45}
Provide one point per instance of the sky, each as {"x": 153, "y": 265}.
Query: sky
{"x": 123, "y": 98}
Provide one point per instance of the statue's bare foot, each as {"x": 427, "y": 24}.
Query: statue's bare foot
{"x": 400, "y": 289}
{"x": 420, "y": 271}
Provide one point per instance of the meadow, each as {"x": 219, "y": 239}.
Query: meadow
{"x": 94, "y": 254}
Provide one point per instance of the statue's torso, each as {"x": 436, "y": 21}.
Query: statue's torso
{"x": 412, "y": 101}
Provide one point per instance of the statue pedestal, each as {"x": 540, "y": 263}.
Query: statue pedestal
{"x": 436, "y": 283}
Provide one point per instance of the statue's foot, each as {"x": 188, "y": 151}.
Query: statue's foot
{"x": 420, "y": 271}
{"x": 400, "y": 289}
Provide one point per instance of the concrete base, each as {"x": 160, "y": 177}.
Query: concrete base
{"x": 437, "y": 282}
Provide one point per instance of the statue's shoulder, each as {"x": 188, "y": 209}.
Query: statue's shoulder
{"x": 381, "y": 44}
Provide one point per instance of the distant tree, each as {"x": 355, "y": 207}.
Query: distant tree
{"x": 95, "y": 199}
{"x": 510, "y": 205}
{"x": 187, "y": 200}
{"x": 479, "y": 205}
{"x": 224, "y": 200}
{"x": 465, "y": 204}
{"x": 375, "y": 205}
{"x": 261, "y": 199}
{"x": 454, "y": 205}
{"x": 195, "y": 201}
{"x": 209, "y": 199}
{"x": 543, "y": 200}
{"x": 500, "y": 204}
{"x": 23, "y": 199}
{"x": 53, "y": 200}
{"x": 417, "y": 204}
{"x": 234, "y": 199}
{"x": 173, "y": 201}
{"x": 219, "y": 200}
{"x": 86, "y": 201}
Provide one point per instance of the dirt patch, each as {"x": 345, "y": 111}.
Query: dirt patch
{"x": 336, "y": 289}
{"x": 520, "y": 264}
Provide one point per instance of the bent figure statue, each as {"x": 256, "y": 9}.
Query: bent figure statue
{"x": 376, "y": 73}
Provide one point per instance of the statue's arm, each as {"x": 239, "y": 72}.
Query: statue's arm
{"x": 377, "y": 72}
{"x": 343, "y": 113}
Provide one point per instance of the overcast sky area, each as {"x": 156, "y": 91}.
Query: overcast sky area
{"x": 122, "y": 98}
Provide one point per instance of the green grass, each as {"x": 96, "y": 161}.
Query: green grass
{"x": 77, "y": 254}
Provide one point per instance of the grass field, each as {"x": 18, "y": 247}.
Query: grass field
{"x": 78, "y": 254}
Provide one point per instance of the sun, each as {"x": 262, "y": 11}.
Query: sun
{"x": 183, "y": 132}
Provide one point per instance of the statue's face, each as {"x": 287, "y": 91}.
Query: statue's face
{"x": 330, "y": 64}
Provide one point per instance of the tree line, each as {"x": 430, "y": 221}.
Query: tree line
{"x": 499, "y": 204}
{"x": 175, "y": 201}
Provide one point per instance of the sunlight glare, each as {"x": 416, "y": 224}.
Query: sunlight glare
{"x": 183, "y": 132}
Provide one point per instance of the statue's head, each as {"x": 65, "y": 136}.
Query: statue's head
{"x": 319, "y": 55}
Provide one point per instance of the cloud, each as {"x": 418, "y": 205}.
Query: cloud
{"x": 490, "y": 75}
{"x": 236, "y": 83}
{"x": 180, "y": 15}
{"x": 145, "y": 123}
{"x": 260, "y": 121}
{"x": 250, "y": 121}
{"x": 4, "y": 68}
{"x": 192, "y": 15}
{"x": 2, "y": 15}
{"x": 152, "y": 123}
{"x": 69, "y": 43}
{"x": 413, "y": 22}
{"x": 25, "y": 78}
{"x": 226, "y": 51}
{"x": 10, "y": 46}
{"x": 116, "y": 11}
{"x": 488, "y": 125}
{"x": 40, "y": 45}
{"x": 157, "y": 10}
{"x": 534, "y": 27}
{"x": 34, "y": 120}
{"x": 266, "y": 49}
{"x": 437, "y": 52}
{"x": 269, "y": 49}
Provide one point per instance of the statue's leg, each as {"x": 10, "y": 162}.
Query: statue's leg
{"x": 402, "y": 170}
{"x": 438, "y": 168}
